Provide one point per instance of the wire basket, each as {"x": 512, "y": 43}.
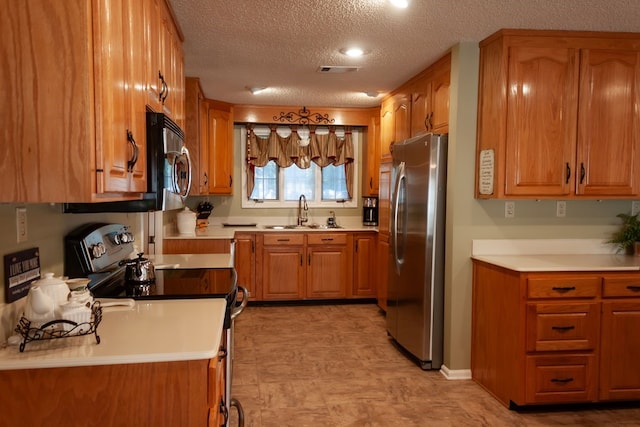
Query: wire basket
{"x": 60, "y": 328}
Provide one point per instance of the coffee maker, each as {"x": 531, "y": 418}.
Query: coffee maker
{"x": 370, "y": 211}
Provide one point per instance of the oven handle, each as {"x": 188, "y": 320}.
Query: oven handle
{"x": 240, "y": 308}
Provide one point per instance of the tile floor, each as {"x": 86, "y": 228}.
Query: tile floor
{"x": 333, "y": 365}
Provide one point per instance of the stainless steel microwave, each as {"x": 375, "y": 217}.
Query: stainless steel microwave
{"x": 168, "y": 172}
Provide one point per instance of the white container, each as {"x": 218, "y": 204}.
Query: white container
{"x": 54, "y": 287}
{"x": 186, "y": 222}
{"x": 74, "y": 312}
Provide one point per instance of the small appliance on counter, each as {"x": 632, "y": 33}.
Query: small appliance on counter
{"x": 370, "y": 211}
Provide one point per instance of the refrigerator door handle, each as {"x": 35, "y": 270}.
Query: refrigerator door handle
{"x": 396, "y": 203}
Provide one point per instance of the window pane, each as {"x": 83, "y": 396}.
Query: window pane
{"x": 334, "y": 183}
{"x": 299, "y": 181}
{"x": 266, "y": 182}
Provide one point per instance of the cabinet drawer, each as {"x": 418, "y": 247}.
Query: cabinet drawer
{"x": 556, "y": 327}
{"x": 283, "y": 239}
{"x": 327, "y": 239}
{"x": 559, "y": 379}
{"x": 621, "y": 287}
{"x": 563, "y": 287}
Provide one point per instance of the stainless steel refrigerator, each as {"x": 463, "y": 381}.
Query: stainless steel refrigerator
{"x": 415, "y": 312}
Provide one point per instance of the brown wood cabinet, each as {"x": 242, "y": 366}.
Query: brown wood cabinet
{"x": 281, "y": 265}
{"x": 59, "y": 396}
{"x": 220, "y": 143}
{"x": 77, "y": 112}
{"x": 196, "y": 117}
{"x": 364, "y": 265}
{"x": 549, "y": 115}
{"x": 245, "y": 263}
{"x": 544, "y": 338}
{"x": 430, "y": 98}
{"x": 315, "y": 265}
{"x": 328, "y": 265}
{"x": 371, "y": 158}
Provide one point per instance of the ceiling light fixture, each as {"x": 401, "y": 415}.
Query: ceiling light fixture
{"x": 372, "y": 94}
{"x": 402, "y": 4}
{"x": 256, "y": 90}
{"x": 354, "y": 52}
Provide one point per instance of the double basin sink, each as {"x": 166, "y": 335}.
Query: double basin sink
{"x": 303, "y": 227}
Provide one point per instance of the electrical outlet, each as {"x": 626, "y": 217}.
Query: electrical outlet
{"x": 561, "y": 209}
{"x": 509, "y": 209}
{"x": 21, "y": 224}
{"x": 635, "y": 207}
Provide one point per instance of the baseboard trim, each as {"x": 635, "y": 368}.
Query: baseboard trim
{"x": 458, "y": 374}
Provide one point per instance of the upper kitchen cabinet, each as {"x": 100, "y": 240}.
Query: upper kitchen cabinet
{"x": 220, "y": 145}
{"x": 556, "y": 110}
{"x": 430, "y": 98}
{"x": 165, "y": 61}
{"x": 371, "y": 158}
{"x": 395, "y": 120}
{"x": 196, "y": 117}
{"x": 76, "y": 112}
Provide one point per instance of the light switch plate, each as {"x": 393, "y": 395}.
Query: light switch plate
{"x": 561, "y": 208}
{"x": 21, "y": 224}
{"x": 509, "y": 209}
{"x": 635, "y": 207}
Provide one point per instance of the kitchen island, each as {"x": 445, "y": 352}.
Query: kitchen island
{"x": 555, "y": 321}
{"x": 157, "y": 364}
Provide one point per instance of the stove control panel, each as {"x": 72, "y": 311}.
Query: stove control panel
{"x": 96, "y": 247}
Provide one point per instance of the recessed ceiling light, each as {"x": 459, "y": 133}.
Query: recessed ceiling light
{"x": 403, "y": 4}
{"x": 256, "y": 90}
{"x": 353, "y": 52}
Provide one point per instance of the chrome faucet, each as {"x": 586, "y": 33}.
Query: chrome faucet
{"x": 303, "y": 209}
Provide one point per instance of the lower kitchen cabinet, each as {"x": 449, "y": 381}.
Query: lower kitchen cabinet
{"x": 282, "y": 266}
{"x": 547, "y": 337}
{"x": 328, "y": 265}
{"x": 245, "y": 263}
{"x": 382, "y": 270}
{"x": 364, "y": 261}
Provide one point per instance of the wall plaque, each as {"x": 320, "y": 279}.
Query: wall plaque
{"x": 20, "y": 270}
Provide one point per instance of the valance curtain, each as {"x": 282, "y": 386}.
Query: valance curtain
{"x": 323, "y": 150}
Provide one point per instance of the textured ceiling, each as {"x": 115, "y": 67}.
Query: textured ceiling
{"x": 232, "y": 44}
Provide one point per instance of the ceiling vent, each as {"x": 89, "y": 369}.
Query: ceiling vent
{"x": 337, "y": 68}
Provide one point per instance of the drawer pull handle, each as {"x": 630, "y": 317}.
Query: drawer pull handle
{"x": 327, "y": 239}
{"x": 564, "y": 288}
{"x": 562, "y": 380}
{"x": 633, "y": 287}
{"x": 283, "y": 240}
{"x": 562, "y": 328}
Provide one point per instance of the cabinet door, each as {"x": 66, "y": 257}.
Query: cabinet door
{"x": 402, "y": 116}
{"x": 370, "y": 176}
{"x": 282, "y": 272}
{"x": 137, "y": 123}
{"x": 384, "y": 199}
{"x": 421, "y": 107}
{"x": 541, "y": 121}
{"x": 619, "y": 372}
{"x": 112, "y": 103}
{"x": 387, "y": 128}
{"x": 220, "y": 137}
{"x": 439, "y": 116}
{"x": 153, "y": 40}
{"x": 245, "y": 262}
{"x": 195, "y": 140}
{"x": 364, "y": 273}
{"x": 327, "y": 271}
{"x": 382, "y": 270}
{"x": 608, "y": 156}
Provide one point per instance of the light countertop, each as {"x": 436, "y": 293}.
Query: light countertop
{"x": 150, "y": 331}
{"x": 554, "y": 255}
{"x": 218, "y": 231}
{"x": 191, "y": 261}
